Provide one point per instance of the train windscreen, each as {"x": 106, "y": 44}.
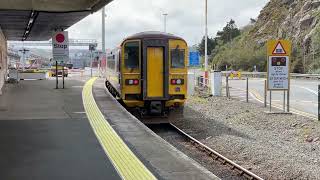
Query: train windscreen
{"x": 131, "y": 55}
{"x": 177, "y": 58}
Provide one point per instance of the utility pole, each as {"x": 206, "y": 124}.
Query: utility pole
{"x": 103, "y": 32}
{"x": 206, "y": 37}
{"x": 165, "y": 22}
{"x": 206, "y": 40}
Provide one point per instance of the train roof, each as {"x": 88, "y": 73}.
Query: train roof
{"x": 153, "y": 34}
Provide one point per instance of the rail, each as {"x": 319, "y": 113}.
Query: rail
{"x": 218, "y": 157}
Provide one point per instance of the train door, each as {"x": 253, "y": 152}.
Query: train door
{"x": 155, "y": 72}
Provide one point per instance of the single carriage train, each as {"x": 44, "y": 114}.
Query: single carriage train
{"x": 148, "y": 72}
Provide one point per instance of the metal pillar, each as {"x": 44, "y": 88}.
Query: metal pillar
{"x": 165, "y": 22}
{"x": 103, "y": 31}
{"x": 63, "y": 76}
{"x": 57, "y": 81}
{"x": 90, "y": 63}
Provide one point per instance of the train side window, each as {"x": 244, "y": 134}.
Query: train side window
{"x": 177, "y": 58}
{"x": 131, "y": 55}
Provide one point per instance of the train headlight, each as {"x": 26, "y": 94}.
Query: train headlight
{"x": 177, "y": 81}
{"x": 132, "y": 82}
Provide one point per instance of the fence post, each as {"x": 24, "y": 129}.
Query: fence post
{"x": 319, "y": 102}
{"x": 265, "y": 93}
{"x": 270, "y": 101}
{"x": 284, "y": 101}
{"x": 57, "y": 81}
{"x": 227, "y": 86}
{"x": 247, "y": 95}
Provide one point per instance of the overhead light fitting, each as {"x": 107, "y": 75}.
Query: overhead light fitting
{"x": 32, "y": 17}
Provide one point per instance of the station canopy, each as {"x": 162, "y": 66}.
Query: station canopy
{"x": 35, "y": 20}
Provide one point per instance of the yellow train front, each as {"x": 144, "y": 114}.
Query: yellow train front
{"x": 149, "y": 72}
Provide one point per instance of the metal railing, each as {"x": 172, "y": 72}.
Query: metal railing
{"x": 264, "y": 75}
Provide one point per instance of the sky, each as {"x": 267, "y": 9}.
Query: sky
{"x": 185, "y": 18}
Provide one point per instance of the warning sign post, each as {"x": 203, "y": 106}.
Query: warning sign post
{"x": 278, "y": 76}
{"x": 60, "y": 52}
{"x": 60, "y": 46}
{"x": 278, "y": 73}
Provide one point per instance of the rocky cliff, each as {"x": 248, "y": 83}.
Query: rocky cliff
{"x": 292, "y": 19}
{"x": 297, "y": 20}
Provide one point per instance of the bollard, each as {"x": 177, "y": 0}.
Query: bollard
{"x": 319, "y": 102}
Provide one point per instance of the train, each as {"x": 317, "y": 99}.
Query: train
{"x": 148, "y": 72}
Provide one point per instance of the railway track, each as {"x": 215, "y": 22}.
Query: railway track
{"x": 174, "y": 131}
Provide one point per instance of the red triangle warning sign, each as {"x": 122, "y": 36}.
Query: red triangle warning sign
{"x": 279, "y": 49}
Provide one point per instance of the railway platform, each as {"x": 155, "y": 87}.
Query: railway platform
{"x": 81, "y": 132}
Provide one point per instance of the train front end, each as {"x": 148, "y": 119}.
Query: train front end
{"x": 154, "y": 72}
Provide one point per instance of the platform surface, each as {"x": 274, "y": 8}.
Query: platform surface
{"x": 81, "y": 132}
{"x": 45, "y": 134}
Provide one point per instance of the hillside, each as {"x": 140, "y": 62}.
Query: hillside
{"x": 297, "y": 20}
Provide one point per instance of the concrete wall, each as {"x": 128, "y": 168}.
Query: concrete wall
{"x": 3, "y": 59}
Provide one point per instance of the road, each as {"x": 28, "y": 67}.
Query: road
{"x": 303, "y": 95}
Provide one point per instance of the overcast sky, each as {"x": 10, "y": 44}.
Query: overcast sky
{"x": 185, "y": 18}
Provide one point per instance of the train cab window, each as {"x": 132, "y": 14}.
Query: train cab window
{"x": 131, "y": 55}
{"x": 177, "y": 58}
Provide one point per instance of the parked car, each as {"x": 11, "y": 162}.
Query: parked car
{"x": 54, "y": 74}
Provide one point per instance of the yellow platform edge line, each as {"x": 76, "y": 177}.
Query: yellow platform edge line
{"x": 124, "y": 160}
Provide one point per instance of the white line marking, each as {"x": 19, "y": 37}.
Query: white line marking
{"x": 310, "y": 90}
{"x": 79, "y": 112}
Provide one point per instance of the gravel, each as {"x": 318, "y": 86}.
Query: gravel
{"x": 170, "y": 135}
{"x": 271, "y": 146}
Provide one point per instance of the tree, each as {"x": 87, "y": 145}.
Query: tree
{"x": 229, "y": 32}
{"x": 212, "y": 43}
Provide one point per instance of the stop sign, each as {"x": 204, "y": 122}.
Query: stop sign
{"x": 60, "y": 46}
{"x": 60, "y": 38}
